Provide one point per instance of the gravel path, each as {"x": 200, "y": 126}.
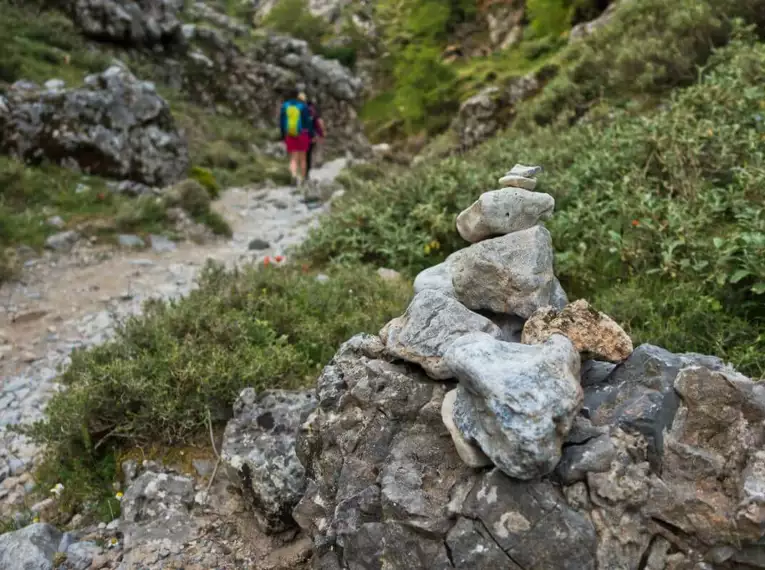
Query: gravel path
{"x": 73, "y": 301}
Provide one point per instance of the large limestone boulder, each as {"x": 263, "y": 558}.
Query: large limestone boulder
{"x": 438, "y": 277}
{"x": 258, "y": 451}
{"x": 515, "y": 401}
{"x": 387, "y": 488}
{"x": 133, "y": 22}
{"x": 30, "y": 548}
{"x": 431, "y": 323}
{"x": 501, "y": 212}
{"x": 511, "y": 274}
{"x": 593, "y": 333}
{"x": 116, "y": 126}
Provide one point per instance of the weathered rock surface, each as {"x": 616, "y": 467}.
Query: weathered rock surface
{"x": 515, "y": 401}
{"x": 639, "y": 395}
{"x": 439, "y": 277}
{"x": 483, "y": 115}
{"x": 501, "y": 212}
{"x": 116, "y": 126}
{"x": 431, "y": 323}
{"x": 259, "y": 452}
{"x": 62, "y": 241}
{"x": 31, "y": 548}
{"x": 132, "y": 22}
{"x": 593, "y": 333}
{"x": 512, "y": 274}
{"x": 387, "y": 488}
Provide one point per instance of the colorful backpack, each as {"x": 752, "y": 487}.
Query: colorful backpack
{"x": 294, "y": 116}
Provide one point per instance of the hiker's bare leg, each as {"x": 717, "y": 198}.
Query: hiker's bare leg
{"x": 294, "y": 164}
{"x": 301, "y": 161}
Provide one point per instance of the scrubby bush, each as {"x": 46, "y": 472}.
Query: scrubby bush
{"x": 189, "y": 195}
{"x": 294, "y": 18}
{"x": 647, "y": 48}
{"x": 206, "y": 178}
{"x": 671, "y": 202}
{"x": 269, "y": 327}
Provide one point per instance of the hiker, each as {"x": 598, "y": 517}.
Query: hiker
{"x": 317, "y": 134}
{"x": 295, "y": 125}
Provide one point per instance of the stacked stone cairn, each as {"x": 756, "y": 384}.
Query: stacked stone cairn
{"x": 495, "y": 426}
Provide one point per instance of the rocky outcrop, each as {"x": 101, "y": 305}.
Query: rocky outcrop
{"x": 259, "y": 453}
{"x": 116, "y": 126}
{"x": 483, "y": 115}
{"x": 593, "y": 333}
{"x": 31, "y": 548}
{"x": 253, "y": 83}
{"x": 132, "y": 22}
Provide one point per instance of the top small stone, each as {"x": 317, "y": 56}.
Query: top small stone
{"x": 525, "y": 171}
{"x": 515, "y": 181}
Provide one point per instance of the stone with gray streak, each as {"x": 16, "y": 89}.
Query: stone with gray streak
{"x": 502, "y": 212}
{"x": 512, "y": 274}
{"x": 515, "y": 181}
{"x": 62, "y": 241}
{"x": 438, "y": 277}
{"x": 516, "y": 402}
{"x": 431, "y": 323}
{"x": 258, "y": 451}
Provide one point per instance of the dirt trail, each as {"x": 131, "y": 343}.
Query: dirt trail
{"x": 71, "y": 301}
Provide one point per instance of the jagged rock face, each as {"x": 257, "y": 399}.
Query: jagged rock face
{"x": 484, "y": 114}
{"x": 254, "y": 83}
{"x": 512, "y": 274}
{"x": 259, "y": 453}
{"x": 593, "y": 333}
{"x": 431, "y": 323}
{"x": 517, "y": 402}
{"x": 116, "y": 126}
{"x": 134, "y": 22}
{"x": 387, "y": 488}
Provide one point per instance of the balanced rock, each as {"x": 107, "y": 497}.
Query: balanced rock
{"x": 501, "y": 212}
{"x": 431, "y": 323}
{"x": 511, "y": 274}
{"x": 593, "y": 333}
{"x": 438, "y": 277}
{"x": 525, "y": 171}
{"x": 517, "y": 402}
{"x": 515, "y": 181}
{"x": 258, "y": 451}
{"x": 469, "y": 453}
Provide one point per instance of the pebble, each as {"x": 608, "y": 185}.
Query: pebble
{"x": 161, "y": 244}
{"x": 56, "y": 222}
{"x": 258, "y": 244}
{"x": 130, "y": 240}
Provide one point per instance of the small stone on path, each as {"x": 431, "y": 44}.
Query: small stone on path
{"x": 258, "y": 244}
{"x": 161, "y": 244}
{"x": 130, "y": 240}
{"x": 62, "y": 241}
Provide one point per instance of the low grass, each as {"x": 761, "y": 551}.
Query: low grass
{"x": 654, "y": 213}
{"x": 155, "y": 383}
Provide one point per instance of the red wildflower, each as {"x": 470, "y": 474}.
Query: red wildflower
{"x": 305, "y": 268}
{"x": 101, "y": 196}
{"x": 279, "y": 258}
{"x": 635, "y": 223}
{"x": 266, "y": 260}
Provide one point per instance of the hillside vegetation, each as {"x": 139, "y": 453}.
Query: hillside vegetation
{"x": 659, "y": 185}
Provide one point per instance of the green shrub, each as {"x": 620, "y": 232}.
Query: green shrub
{"x": 294, "y": 18}
{"x": 269, "y": 327}
{"x": 647, "y": 48}
{"x": 140, "y": 213}
{"x": 207, "y": 179}
{"x": 344, "y": 54}
{"x": 189, "y": 195}
{"x": 675, "y": 196}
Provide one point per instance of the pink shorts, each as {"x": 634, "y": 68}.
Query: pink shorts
{"x": 299, "y": 143}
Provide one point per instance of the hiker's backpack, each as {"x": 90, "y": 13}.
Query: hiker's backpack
{"x": 294, "y": 117}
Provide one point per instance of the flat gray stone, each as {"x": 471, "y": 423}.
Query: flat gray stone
{"x": 512, "y": 274}
{"x": 517, "y": 402}
{"x": 62, "y": 241}
{"x": 31, "y": 548}
{"x": 258, "y": 244}
{"x": 525, "y": 171}
{"x": 502, "y": 212}
{"x": 438, "y": 277}
{"x": 515, "y": 181}
{"x": 161, "y": 244}
{"x": 130, "y": 240}
{"x": 428, "y": 327}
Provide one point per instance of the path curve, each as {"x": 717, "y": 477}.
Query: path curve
{"x": 74, "y": 301}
